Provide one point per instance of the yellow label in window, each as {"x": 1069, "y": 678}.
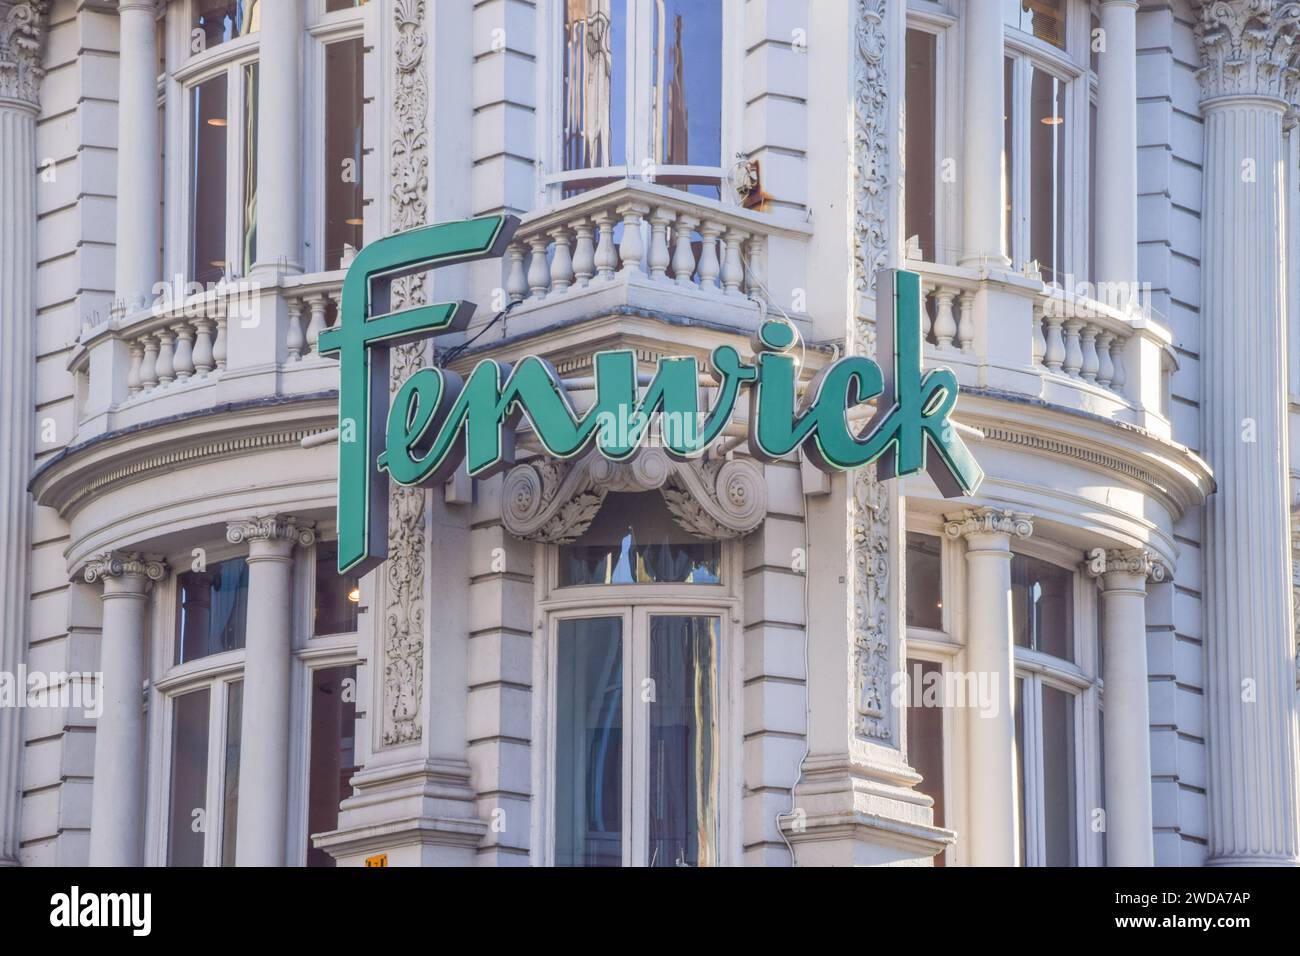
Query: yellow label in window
{"x": 379, "y": 859}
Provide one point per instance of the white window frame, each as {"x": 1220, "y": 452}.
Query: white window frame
{"x": 639, "y": 138}
{"x": 932, "y": 18}
{"x": 635, "y": 604}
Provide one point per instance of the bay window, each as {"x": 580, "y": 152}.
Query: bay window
{"x": 640, "y": 93}
{"x": 921, "y": 154}
{"x": 213, "y": 22}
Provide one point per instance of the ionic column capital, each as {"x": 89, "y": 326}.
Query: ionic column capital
{"x": 272, "y": 529}
{"x": 1133, "y": 562}
{"x": 22, "y": 33}
{"x": 1248, "y": 49}
{"x": 994, "y": 521}
{"x": 126, "y": 568}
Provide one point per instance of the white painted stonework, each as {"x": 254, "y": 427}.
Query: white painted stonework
{"x": 1118, "y": 596}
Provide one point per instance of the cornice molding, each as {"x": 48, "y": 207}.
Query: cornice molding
{"x": 22, "y": 36}
{"x": 1249, "y": 48}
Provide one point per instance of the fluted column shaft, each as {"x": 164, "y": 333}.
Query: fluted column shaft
{"x": 117, "y": 802}
{"x": 983, "y": 198}
{"x": 1116, "y": 219}
{"x": 991, "y": 736}
{"x": 1130, "y": 840}
{"x": 268, "y": 659}
{"x": 279, "y": 140}
{"x": 139, "y": 176}
{"x": 1251, "y": 697}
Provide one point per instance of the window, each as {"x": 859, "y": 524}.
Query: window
{"x": 223, "y": 152}
{"x": 218, "y": 21}
{"x": 1041, "y": 19}
{"x": 925, "y": 733}
{"x": 653, "y": 756}
{"x": 211, "y": 610}
{"x": 333, "y": 752}
{"x": 189, "y": 779}
{"x": 230, "y": 786}
{"x": 921, "y": 138}
{"x": 924, "y": 581}
{"x": 338, "y": 596}
{"x": 343, "y": 104}
{"x": 641, "y": 93}
{"x": 1050, "y": 823}
{"x": 1042, "y": 606}
{"x": 635, "y": 540}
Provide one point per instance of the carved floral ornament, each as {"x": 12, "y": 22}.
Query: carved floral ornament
{"x": 988, "y": 521}
{"x": 1249, "y": 48}
{"x": 117, "y": 564}
{"x": 1130, "y": 561}
{"x": 22, "y": 29}
{"x": 556, "y": 501}
{"x": 271, "y": 528}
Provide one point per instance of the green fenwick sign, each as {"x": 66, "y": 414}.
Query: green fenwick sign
{"x": 437, "y": 419}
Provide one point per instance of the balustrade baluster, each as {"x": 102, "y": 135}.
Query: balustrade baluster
{"x": 584, "y": 253}
{"x": 183, "y": 363}
{"x": 1105, "y": 365}
{"x": 632, "y": 249}
{"x": 756, "y": 267}
{"x": 606, "y": 256}
{"x": 1039, "y": 345}
{"x": 516, "y": 281}
{"x": 316, "y": 322}
{"x": 293, "y": 334}
{"x": 219, "y": 345}
{"x": 709, "y": 265}
{"x": 1054, "y": 352}
{"x": 539, "y": 272}
{"x": 561, "y": 262}
{"x": 683, "y": 254}
{"x": 1073, "y": 352}
{"x": 945, "y": 326}
{"x": 149, "y": 363}
{"x": 659, "y": 257}
{"x": 202, "y": 346}
{"x": 1117, "y": 358}
{"x": 165, "y": 367}
{"x": 733, "y": 270}
{"x": 133, "y": 373}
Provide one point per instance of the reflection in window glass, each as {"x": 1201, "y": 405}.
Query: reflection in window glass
{"x": 1060, "y": 836}
{"x": 589, "y": 743}
{"x": 230, "y": 782}
{"x": 634, "y": 540}
{"x": 211, "y": 610}
{"x": 1044, "y": 19}
{"x": 684, "y": 747}
{"x": 332, "y": 5}
{"x": 209, "y": 121}
{"x": 1047, "y": 186}
{"x": 337, "y": 595}
{"x": 921, "y": 155}
{"x": 189, "y": 779}
{"x": 925, "y": 733}
{"x": 924, "y": 581}
{"x": 249, "y": 244}
{"x": 219, "y": 21}
{"x": 333, "y": 752}
{"x": 595, "y": 83}
{"x": 343, "y": 143}
{"x": 1042, "y": 606}
{"x": 686, "y": 67}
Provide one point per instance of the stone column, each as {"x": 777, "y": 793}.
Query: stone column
{"x": 1116, "y": 218}
{"x": 991, "y": 739}
{"x": 1247, "y": 82}
{"x": 268, "y": 659}
{"x": 983, "y": 198}
{"x": 117, "y": 803}
{"x": 1127, "y": 745}
{"x": 139, "y": 177}
{"x": 21, "y": 36}
{"x": 279, "y": 141}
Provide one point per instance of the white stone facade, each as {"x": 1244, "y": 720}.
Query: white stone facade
{"x": 1105, "y": 239}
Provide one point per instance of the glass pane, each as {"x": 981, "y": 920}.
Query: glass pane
{"x": 333, "y": 752}
{"x": 230, "y": 787}
{"x": 1059, "y": 819}
{"x": 343, "y": 143}
{"x": 189, "y": 779}
{"x": 921, "y": 155}
{"x": 686, "y": 66}
{"x": 1101, "y": 770}
{"x": 925, "y": 732}
{"x": 1042, "y": 606}
{"x": 249, "y": 245}
{"x": 635, "y": 540}
{"x": 685, "y": 754}
{"x": 337, "y": 595}
{"x": 595, "y": 83}
{"x": 211, "y": 610}
{"x": 1092, "y": 194}
{"x": 1047, "y": 174}
{"x": 1044, "y": 19}
{"x": 924, "y": 581}
{"x": 332, "y": 5}
{"x": 589, "y": 743}
{"x": 1009, "y": 243}
{"x": 1020, "y": 767}
{"x": 208, "y": 108}
{"x": 217, "y": 21}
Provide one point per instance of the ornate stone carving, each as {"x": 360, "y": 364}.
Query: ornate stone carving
{"x": 1249, "y": 48}
{"x": 271, "y": 528}
{"x": 988, "y": 521}
{"x": 869, "y": 505}
{"x": 22, "y": 28}
{"x": 116, "y": 564}
{"x": 403, "y": 650}
{"x": 1139, "y": 561}
{"x": 556, "y": 502}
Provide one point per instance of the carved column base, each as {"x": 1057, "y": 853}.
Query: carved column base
{"x": 853, "y": 814}
{"x": 419, "y": 814}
